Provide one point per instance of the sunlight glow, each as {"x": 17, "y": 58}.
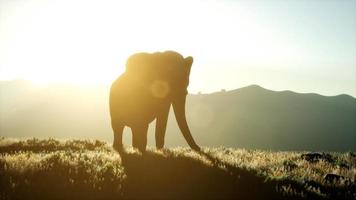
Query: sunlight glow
{"x": 234, "y": 43}
{"x": 88, "y": 42}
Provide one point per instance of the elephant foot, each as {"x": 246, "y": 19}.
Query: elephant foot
{"x": 142, "y": 149}
{"x": 118, "y": 148}
{"x": 159, "y": 147}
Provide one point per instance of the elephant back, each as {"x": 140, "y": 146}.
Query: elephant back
{"x": 156, "y": 65}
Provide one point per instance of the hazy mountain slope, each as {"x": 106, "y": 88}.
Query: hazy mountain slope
{"x": 259, "y": 118}
{"x": 55, "y": 111}
{"x": 250, "y": 117}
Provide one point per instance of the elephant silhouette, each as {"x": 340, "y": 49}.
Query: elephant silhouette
{"x": 144, "y": 92}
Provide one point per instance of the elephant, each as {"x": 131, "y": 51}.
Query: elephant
{"x": 151, "y": 83}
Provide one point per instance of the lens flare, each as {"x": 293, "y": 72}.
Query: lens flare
{"x": 160, "y": 89}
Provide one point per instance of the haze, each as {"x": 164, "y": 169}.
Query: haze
{"x": 304, "y": 46}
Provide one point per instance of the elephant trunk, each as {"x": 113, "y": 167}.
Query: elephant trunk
{"x": 179, "y": 112}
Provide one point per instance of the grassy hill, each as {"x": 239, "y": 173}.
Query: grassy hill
{"x": 90, "y": 169}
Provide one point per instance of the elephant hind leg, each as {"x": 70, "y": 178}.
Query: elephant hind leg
{"x": 118, "y": 130}
{"x": 139, "y": 137}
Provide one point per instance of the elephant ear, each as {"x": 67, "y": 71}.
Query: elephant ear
{"x": 188, "y": 63}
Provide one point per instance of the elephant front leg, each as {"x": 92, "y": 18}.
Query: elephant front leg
{"x": 139, "y": 137}
{"x": 161, "y": 125}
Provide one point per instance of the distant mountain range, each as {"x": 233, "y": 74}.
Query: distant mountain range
{"x": 249, "y": 117}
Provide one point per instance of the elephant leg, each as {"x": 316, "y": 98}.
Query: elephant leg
{"x": 161, "y": 125}
{"x": 139, "y": 136}
{"x": 118, "y": 130}
{"x": 135, "y": 138}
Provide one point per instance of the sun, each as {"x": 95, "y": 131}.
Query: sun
{"x": 55, "y": 42}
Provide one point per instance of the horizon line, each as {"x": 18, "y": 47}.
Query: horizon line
{"x": 196, "y": 93}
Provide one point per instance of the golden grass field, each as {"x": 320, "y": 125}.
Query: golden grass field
{"x": 91, "y": 169}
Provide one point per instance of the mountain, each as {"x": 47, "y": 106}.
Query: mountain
{"x": 249, "y": 117}
{"x": 253, "y": 117}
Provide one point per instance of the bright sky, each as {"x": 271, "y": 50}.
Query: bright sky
{"x": 300, "y": 45}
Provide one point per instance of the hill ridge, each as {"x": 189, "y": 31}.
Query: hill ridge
{"x": 258, "y": 87}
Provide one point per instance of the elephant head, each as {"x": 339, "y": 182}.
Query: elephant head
{"x": 167, "y": 75}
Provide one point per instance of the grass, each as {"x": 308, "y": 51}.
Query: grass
{"x": 73, "y": 169}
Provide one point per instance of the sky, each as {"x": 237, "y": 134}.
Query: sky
{"x": 300, "y": 45}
